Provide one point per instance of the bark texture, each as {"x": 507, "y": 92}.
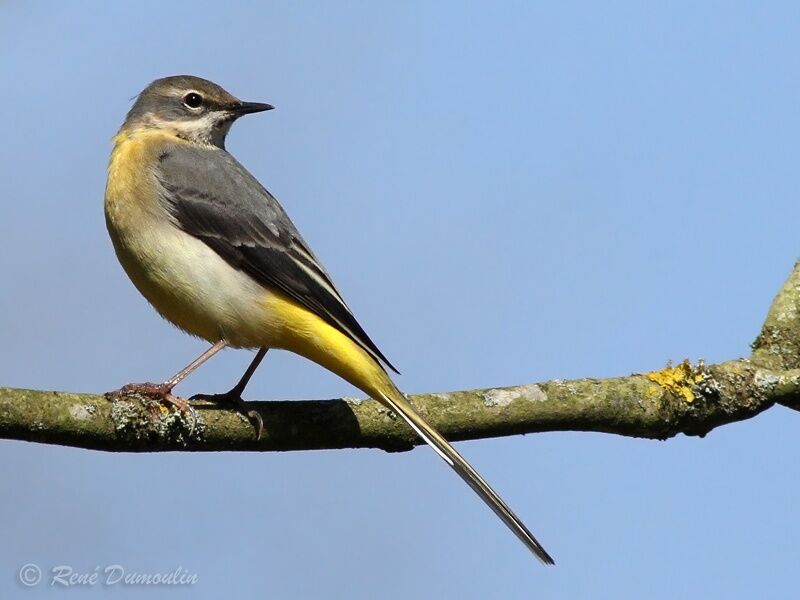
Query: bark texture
{"x": 686, "y": 398}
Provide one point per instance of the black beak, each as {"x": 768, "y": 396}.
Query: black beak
{"x": 246, "y": 108}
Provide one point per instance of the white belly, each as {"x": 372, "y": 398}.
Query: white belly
{"x": 191, "y": 285}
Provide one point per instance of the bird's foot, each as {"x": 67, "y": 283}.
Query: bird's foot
{"x": 234, "y": 397}
{"x": 161, "y": 392}
{"x": 157, "y": 391}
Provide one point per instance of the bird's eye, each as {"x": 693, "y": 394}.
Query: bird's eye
{"x": 193, "y": 100}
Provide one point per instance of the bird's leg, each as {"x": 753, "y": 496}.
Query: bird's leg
{"x": 183, "y": 373}
{"x": 234, "y": 395}
{"x": 163, "y": 391}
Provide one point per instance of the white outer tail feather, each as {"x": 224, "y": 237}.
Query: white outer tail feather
{"x": 449, "y": 454}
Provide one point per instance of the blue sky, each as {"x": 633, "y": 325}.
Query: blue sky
{"x": 505, "y": 193}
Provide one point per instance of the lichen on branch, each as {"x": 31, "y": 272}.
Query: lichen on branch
{"x": 686, "y": 398}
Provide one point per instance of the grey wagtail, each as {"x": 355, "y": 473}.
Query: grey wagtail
{"x": 216, "y": 255}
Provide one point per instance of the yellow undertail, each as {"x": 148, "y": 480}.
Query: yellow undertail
{"x": 308, "y": 335}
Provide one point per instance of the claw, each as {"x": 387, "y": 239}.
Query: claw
{"x": 184, "y": 407}
{"x": 258, "y": 422}
{"x": 163, "y": 393}
{"x": 235, "y": 398}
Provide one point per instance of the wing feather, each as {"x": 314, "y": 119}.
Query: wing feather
{"x": 215, "y": 199}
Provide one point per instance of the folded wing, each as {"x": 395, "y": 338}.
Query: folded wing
{"x": 215, "y": 199}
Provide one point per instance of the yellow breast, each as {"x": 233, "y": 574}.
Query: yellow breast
{"x": 186, "y": 282}
{"x": 130, "y": 173}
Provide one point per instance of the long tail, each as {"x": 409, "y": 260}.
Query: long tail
{"x": 307, "y": 334}
{"x": 397, "y": 402}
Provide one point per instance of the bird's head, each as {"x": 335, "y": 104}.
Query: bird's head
{"x": 194, "y": 109}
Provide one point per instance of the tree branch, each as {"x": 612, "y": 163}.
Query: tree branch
{"x": 689, "y": 399}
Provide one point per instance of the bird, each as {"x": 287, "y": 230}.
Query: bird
{"x": 216, "y": 255}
